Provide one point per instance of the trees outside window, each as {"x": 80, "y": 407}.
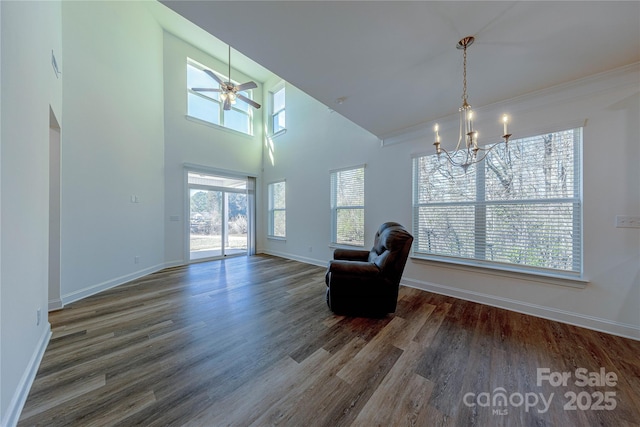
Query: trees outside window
{"x": 521, "y": 206}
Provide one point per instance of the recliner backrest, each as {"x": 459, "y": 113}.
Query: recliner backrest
{"x": 391, "y": 249}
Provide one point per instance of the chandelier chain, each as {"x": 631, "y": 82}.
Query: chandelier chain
{"x": 464, "y": 77}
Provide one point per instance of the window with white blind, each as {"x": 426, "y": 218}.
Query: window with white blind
{"x": 277, "y": 226}
{"x": 347, "y": 206}
{"x": 519, "y": 209}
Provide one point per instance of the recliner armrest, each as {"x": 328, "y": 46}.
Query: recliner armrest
{"x": 353, "y": 268}
{"x": 351, "y": 254}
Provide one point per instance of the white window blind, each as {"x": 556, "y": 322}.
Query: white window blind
{"x": 277, "y": 210}
{"x": 347, "y": 206}
{"x": 519, "y": 207}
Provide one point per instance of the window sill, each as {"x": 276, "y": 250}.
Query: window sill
{"x": 280, "y": 239}
{"x": 277, "y": 134}
{"x": 219, "y": 127}
{"x": 560, "y": 279}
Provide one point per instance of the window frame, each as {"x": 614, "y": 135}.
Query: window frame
{"x": 271, "y": 210}
{"x": 248, "y": 112}
{"x": 335, "y": 209}
{"x": 273, "y": 113}
{"x": 573, "y": 277}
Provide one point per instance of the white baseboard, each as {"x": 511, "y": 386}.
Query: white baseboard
{"x": 24, "y": 386}
{"x": 97, "y": 288}
{"x": 55, "y": 304}
{"x": 571, "y": 318}
{"x": 313, "y": 261}
{"x": 170, "y": 264}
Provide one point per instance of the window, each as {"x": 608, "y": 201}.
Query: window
{"x": 277, "y": 210}
{"x": 278, "y": 122}
{"x": 517, "y": 208}
{"x": 347, "y": 206}
{"x": 207, "y": 106}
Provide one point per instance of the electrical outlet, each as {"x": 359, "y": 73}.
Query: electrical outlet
{"x": 624, "y": 221}
{"x": 38, "y": 317}
{"x": 136, "y": 260}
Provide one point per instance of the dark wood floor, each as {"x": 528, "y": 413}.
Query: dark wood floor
{"x": 250, "y": 341}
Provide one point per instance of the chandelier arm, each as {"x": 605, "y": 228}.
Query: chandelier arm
{"x": 451, "y": 160}
{"x": 483, "y": 156}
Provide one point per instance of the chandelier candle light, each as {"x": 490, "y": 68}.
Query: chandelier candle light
{"x": 468, "y": 154}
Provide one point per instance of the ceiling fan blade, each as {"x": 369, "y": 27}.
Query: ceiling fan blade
{"x": 245, "y": 86}
{"x": 214, "y": 76}
{"x": 206, "y": 89}
{"x": 227, "y": 104}
{"x": 248, "y": 101}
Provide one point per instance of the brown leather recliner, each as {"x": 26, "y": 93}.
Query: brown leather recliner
{"x": 365, "y": 283}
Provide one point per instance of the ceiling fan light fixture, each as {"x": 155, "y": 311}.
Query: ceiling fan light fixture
{"x": 228, "y": 90}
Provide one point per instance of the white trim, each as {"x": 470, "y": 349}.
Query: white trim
{"x": 347, "y": 168}
{"x": 108, "y": 284}
{"x": 24, "y": 386}
{"x": 219, "y": 127}
{"x": 277, "y": 134}
{"x": 306, "y": 260}
{"x": 193, "y": 167}
{"x": 590, "y": 322}
{"x": 607, "y": 80}
{"x": 55, "y": 304}
{"x": 504, "y": 270}
{"x": 174, "y": 263}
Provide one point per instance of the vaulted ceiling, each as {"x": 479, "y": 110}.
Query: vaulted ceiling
{"x": 395, "y": 64}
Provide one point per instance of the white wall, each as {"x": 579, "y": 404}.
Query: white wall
{"x": 29, "y": 32}
{"x": 189, "y": 141}
{"x": 317, "y": 141}
{"x": 112, "y": 146}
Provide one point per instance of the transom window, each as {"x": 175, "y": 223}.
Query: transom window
{"x": 207, "y": 106}
{"x": 517, "y": 208}
{"x": 278, "y": 119}
{"x": 347, "y": 206}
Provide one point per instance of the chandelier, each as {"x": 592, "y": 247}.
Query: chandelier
{"x": 468, "y": 155}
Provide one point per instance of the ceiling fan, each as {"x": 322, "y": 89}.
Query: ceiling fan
{"x": 229, "y": 91}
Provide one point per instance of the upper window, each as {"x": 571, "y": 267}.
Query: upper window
{"x": 347, "y": 206}
{"x": 278, "y": 120}
{"x": 277, "y": 226}
{"x": 207, "y": 106}
{"x": 520, "y": 207}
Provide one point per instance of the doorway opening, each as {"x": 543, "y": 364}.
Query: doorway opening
{"x": 220, "y": 215}
{"x": 55, "y": 300}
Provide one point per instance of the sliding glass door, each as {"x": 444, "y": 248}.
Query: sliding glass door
{"x": 219, "y": 219}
